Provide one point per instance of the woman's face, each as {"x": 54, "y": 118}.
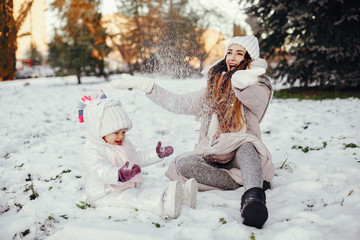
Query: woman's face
{"x": 235, "y": 54}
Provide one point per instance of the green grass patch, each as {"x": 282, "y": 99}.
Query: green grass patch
{"x": 252, "y": 237}
{"x": 307, "y": 148}
{"x": 83, "y": 205}
{"x": 351, "y": 145}
{"x": 222, "y": 220}
{"x": 316, "y": 93}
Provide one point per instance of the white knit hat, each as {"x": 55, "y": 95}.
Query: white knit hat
{"x": 105, "y": 116}
{"x": 113, "y": 118}
{"x": 250, "y": 43}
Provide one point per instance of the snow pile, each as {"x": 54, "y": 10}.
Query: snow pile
{"x": 315, "y": 148}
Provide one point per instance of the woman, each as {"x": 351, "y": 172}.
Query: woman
{"x": 230, "y": 152}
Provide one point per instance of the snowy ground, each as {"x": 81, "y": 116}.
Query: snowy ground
{"x": 315, "y": 195}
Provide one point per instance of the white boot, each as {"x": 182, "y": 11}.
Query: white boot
{"x": 190, "y": 191}
{"x": 172, "y": 200}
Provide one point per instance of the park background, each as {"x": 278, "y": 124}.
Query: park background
{"x": 311, "y": 127}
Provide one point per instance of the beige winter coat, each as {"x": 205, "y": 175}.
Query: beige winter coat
{"x": 255, "y": 100}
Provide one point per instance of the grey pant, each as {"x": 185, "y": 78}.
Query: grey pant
{"x": 246, "y": 159}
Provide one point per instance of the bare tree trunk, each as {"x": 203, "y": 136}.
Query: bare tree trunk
{"x": 78, "y": 78}
{"x": 9, "y": 28}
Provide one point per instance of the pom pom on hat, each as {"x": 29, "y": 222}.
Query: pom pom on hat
{"x": 250, "y": 43}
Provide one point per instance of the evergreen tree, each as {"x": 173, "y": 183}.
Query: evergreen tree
{"x": 79, "y": 46}
{"x": 163, "y": 36}
{"x": 9, "y": 28}
{"x": 34, "y": 55}
{"x": 316, "y": 42}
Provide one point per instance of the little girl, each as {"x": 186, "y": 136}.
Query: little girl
{"x": 113, "y": 167}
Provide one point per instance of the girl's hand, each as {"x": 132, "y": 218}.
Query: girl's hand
{"x": 125, "y": 174}
{"x": 259, "y": 62}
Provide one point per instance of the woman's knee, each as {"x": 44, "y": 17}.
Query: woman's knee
{"x": 244, "y": 154}
{"x": 246, "y": 149}
{"x": 188, "y": 163}
{"x": 247, "y": 145}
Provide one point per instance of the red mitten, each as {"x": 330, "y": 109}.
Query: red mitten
{"x": 125, "y": 174}
{"x": 164, "y": 151}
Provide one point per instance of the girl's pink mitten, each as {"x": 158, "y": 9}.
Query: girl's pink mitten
{"x": 163, "y": 152}
{"x": 125, "y": 174}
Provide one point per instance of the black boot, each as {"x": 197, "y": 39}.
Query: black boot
{"x": 253, "y": 208}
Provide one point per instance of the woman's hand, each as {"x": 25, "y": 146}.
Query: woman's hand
{"x": 129, "y": 82}
{"x": 259, "y": 62}
{"x": 244, "y": 78}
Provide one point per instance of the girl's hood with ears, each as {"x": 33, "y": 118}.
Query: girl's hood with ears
{"x": 104, "y": 116}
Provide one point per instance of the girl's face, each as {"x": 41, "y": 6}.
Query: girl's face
{"x": 116, "y": 138}
{"x": 235, "y": 54}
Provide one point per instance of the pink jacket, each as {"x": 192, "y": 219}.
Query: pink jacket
{"x": 255, "y": 100}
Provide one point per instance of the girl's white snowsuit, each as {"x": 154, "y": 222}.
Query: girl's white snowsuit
{"x": 101, "y": 162}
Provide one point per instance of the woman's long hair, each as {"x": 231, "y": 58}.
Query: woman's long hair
{"x": 220, "y": 97}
